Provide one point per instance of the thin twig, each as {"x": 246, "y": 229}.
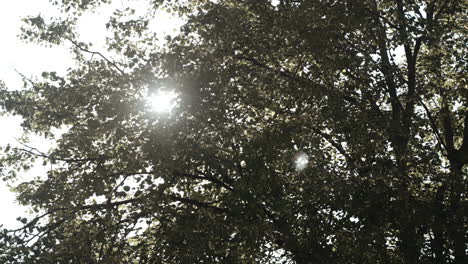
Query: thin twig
{"x": 77, "y": 45}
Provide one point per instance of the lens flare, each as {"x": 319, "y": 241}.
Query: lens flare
{"x": 301, "y": 160}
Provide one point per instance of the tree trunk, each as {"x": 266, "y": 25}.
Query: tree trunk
{"x": 457, "y": 228}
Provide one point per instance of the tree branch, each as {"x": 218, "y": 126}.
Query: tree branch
{"x": 38, "y": 153}
{"x": 464, "y": 146}
{"x": 80, "y": 47}
{"x": 208, "y": 178}
{"x": 434, "y": 126}
{"x": 448, "y": 129}
{"x": 206, "y": 205}
{"x": 336, "y": 145}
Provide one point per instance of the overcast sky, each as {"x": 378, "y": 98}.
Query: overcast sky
{"x": 31, "y": 60}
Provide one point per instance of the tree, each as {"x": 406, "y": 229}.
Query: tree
{"x": 372, "y": 93}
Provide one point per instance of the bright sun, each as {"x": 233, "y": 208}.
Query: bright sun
{"x": 163, "y": 101}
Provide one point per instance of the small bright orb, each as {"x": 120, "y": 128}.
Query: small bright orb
{"x": 163, "y": 101}
{"x": 301, "y": 160}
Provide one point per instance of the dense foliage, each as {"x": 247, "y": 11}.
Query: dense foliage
{"x": 372, "y": 92}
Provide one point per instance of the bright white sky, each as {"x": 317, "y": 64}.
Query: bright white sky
{"x": 28, "y": 59}
{"x": 31, "y": 60}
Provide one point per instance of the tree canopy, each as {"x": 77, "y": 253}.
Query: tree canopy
{"x": 304, "y": 132}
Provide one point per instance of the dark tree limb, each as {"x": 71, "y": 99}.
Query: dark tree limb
{"x": 80, "y": 47}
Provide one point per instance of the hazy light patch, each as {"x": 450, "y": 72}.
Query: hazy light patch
{"x": 165, "y": 24}
{"x": 301, "y": 160}
{"x": 163, "y": 101}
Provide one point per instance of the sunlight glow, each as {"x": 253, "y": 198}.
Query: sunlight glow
{"x": 163, "y": 101}
{"x": 301, "y": 160}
